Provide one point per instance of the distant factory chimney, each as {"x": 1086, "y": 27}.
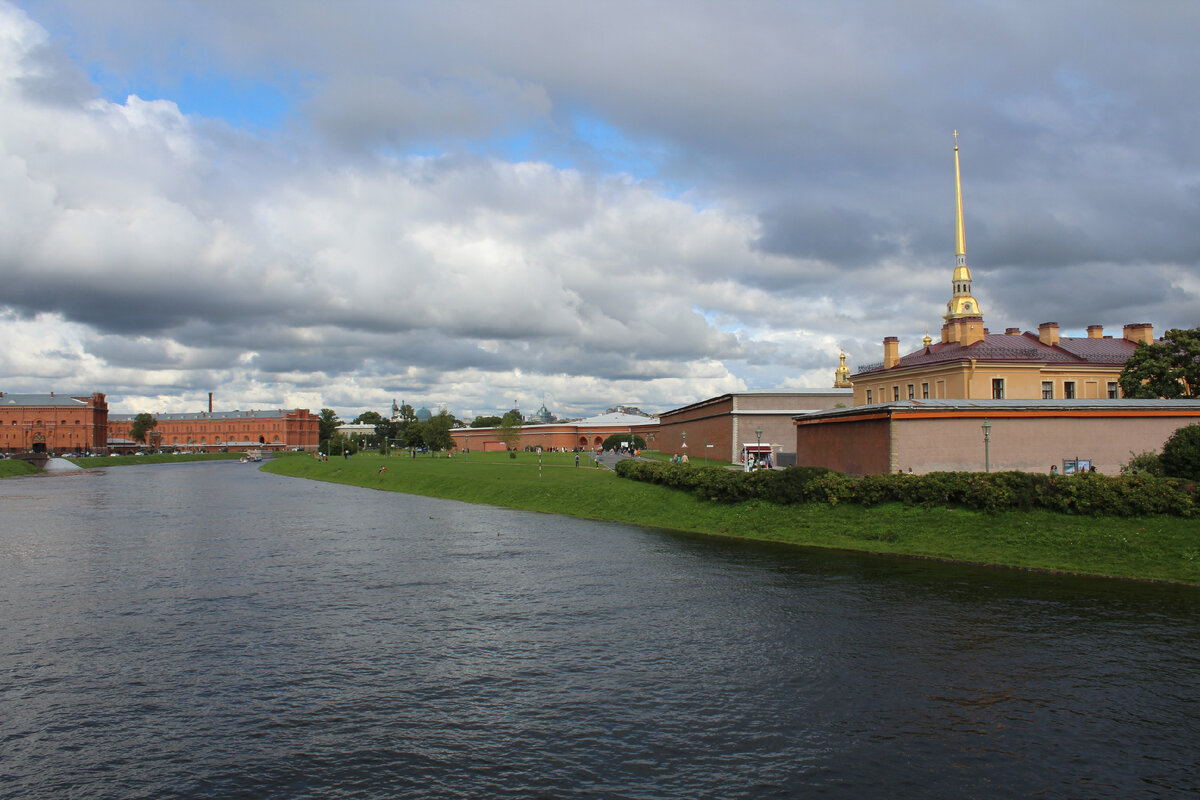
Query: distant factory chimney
{"x": 210, "y": 402}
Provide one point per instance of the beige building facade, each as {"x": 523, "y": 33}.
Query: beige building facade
{"x": 950, "y": 435}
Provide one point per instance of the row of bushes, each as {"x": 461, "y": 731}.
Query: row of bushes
{"x": 1125, "y": 496}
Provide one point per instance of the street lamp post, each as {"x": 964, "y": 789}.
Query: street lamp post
{"x": 987, "y": 446}
{"x": 683, "y": 436}
{"x": 758, "y": 450}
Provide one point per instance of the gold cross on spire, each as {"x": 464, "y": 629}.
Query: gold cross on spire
{"x": 956, "y": 138}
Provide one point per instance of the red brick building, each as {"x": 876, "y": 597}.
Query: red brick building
{"x": 586, "y": 434}
{"x": 225, "y": 430}
{"x": 53, "y": 423}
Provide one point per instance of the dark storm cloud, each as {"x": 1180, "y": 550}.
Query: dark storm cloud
{"x": 850, "y": 238}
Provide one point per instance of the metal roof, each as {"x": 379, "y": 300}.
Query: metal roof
{"x": 202, "y": 415}
{"x": 1018, "y": 347}
{"x": 56, "y": 399}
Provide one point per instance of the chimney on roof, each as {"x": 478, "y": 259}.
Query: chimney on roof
{"x": 1048, "y": 333}
{"x": 1140, "y": 332}
{"x": 1095, "y": 331}
{"x": 52, "y": 394}
{"x": 891, "y": 352}
{"x": 1012, "y": 331}
{"x": 210, "y": 402}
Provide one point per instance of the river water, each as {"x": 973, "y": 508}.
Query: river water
{"x": 209, "y": 631}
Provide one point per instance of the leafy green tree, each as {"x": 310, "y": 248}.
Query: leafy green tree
{"x": 386, "y": 432}
{"x": 327, "y": 424}
{"x": 368, "y": 418}
{"x": 617, "y": 439}
{"x": 339, "y": 444}
{"x": 1169, "y": 368}
{"x": 1181, "y": 454}
{"x": 486, "y": 422}
{"x": 437, "y": 431}
{"x": 142, "y": 424}
{"x": 509, "y": 430}
{"x": 414, "y": 435}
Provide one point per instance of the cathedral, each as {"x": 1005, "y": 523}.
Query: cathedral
{"x": 972, "y": 363}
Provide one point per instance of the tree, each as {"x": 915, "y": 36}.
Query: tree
{"x": 142, "y": 424}
{"x": 414, "y": 435}
{"x": 1169, "y": 368}
{"x": 437, "y": 431}
{"x": 486, "y": 422}
{"x": 386, "y": 431}
{"x": 617, "y": 439}
{"x": 327, "y": 423}
{"x": 509, "y": 430}
{"x": 1181, "y": 454}
{"x": 368, "y": 418}
{"x": 339, "y": 444}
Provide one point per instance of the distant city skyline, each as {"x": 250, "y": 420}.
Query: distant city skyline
{"x": 310, "y": 205}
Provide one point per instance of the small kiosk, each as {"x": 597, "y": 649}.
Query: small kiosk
{"x": 756, "y": 455}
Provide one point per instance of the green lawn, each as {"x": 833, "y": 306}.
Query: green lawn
{"x": 1158, "y": 548}
{"x": 12, "y": 466}
{"x": 87, "y": 462}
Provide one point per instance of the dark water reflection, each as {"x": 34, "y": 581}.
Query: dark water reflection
{"x": 210, "y": 631}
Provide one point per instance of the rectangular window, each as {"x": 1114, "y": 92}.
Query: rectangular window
{"x": 997, "y": 388}
{"x": 1069, "y": 390}
{"x": 912, "y": 394}
{"x": 869, "y": 399}
{"x": 895, "y": 394}
{"x": 1112, "y": 390}
{"x": 1047, "y": 390}
{"x": 924, "y": 391}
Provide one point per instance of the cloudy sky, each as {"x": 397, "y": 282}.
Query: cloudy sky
{"x": 476, "y": 204}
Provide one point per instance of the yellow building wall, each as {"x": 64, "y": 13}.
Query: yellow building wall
{"x": 961, "y": 381}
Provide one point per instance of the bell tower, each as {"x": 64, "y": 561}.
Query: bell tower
{"x": 841, "y": 375}
{"x": 964, "y": 318}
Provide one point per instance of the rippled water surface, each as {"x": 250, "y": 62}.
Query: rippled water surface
{"x": 207, "y": 630}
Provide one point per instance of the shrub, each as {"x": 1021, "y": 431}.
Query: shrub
{"x": 1129, "y": 495}
{"x": 1145, "y": 463}
{"x": 1181, "y": 454}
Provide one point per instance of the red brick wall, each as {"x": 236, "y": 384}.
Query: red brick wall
{"x": 860, "y": 447}
{"x": 60, "y": 429}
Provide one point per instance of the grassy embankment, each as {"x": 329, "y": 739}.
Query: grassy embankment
{"x": 1156, "y": 548}
{"x": 13, "y": 466}
{"x": 10, "y": 467}
{"x": 89, "y": 462}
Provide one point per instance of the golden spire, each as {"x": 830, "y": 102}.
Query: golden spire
{"x": 841, "y": 376}
{"x": 960, "y": 237}
{"x": 961, "y": 304}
